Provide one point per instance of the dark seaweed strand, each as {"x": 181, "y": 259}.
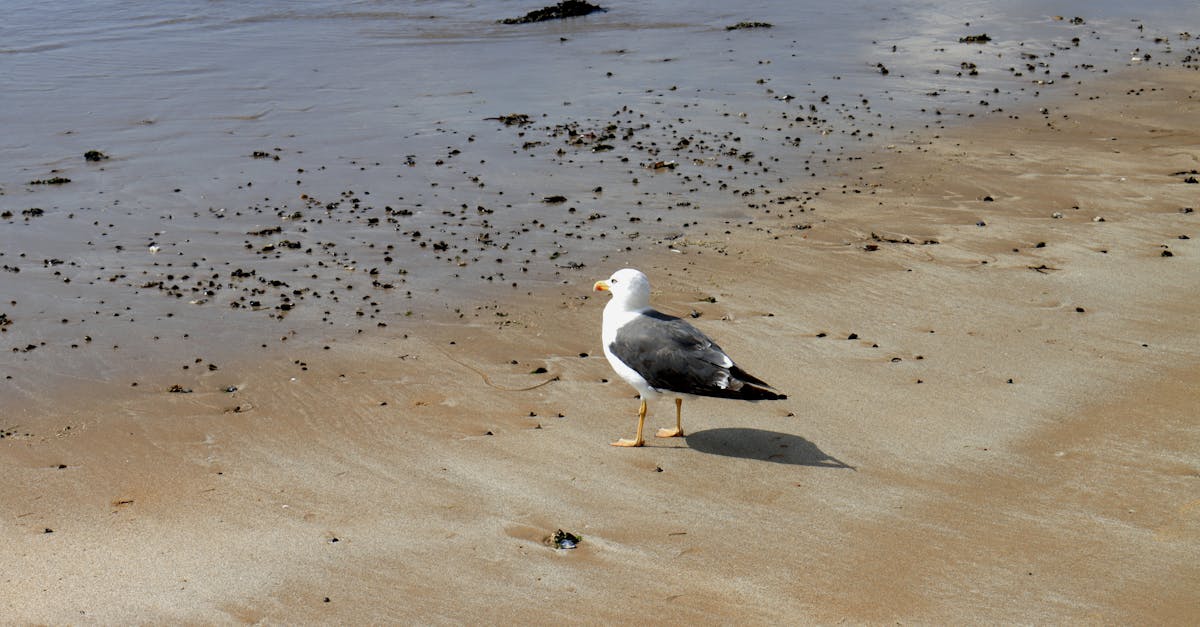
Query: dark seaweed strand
{"x": 564, "y": 9}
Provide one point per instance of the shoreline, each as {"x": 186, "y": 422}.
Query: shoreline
{"x": 1015, "y": 441}
{"x": 254, "y": 220}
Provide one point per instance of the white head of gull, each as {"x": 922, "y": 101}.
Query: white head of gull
{"x": 659, "y": 354}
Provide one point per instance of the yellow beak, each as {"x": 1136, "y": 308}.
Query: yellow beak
{"x": 600, "y": 286}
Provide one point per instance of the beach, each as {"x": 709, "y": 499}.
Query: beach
{"x": 985, "y": 328}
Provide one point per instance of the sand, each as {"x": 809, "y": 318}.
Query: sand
{"x": 1010, "y": 437}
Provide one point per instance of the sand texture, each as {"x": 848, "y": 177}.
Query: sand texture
{"x": 992, "y": 418}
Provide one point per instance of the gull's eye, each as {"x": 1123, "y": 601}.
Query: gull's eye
{"x": 612, "y": 280}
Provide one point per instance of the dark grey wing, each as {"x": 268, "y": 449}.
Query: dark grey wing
{"x": 673, "y": 355}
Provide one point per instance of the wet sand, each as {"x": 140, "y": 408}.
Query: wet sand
{"x": 1009, "y": 437}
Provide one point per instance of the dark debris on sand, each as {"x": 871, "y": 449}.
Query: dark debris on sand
{"x": 564, "y": 540}
{"x": 744, "y": 25}
{"x": 564, "y": 9}
{"x": 975, "y": 39}
{"x": 513, "y": 119}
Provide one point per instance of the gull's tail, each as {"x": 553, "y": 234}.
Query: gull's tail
{"x": 752, "y": 388}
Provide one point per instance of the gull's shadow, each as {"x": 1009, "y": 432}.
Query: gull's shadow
{"x": 767, "y": 446}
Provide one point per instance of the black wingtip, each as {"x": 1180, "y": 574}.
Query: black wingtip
{"x": 755, "y": 393}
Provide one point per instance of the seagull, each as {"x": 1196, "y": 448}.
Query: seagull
{"x": 662, "y": 355}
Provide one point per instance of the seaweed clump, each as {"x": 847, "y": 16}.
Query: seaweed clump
{"x": 513, "y": 119}
{"x": 564, "y": 9}
{"x": 741, "y": 25}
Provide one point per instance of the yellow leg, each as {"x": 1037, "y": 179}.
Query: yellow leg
{"x": 678, "y": 432}
{"x": 641, "y": 424}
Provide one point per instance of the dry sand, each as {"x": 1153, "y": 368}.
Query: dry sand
{"x": 1011, "y": 437}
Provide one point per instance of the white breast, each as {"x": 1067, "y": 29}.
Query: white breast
{"x": 613, "y": 319}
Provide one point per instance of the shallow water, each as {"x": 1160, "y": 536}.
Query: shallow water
{"x": 396, "y": 193}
